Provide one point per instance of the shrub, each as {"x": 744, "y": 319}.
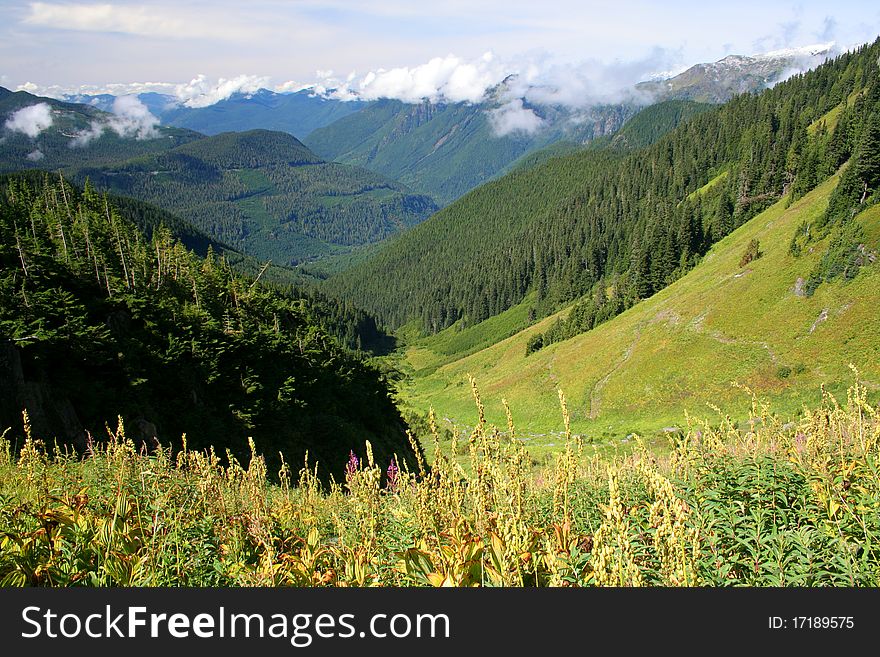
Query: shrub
{"x": 752, "y": 252}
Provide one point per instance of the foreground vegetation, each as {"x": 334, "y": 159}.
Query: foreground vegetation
{"x": 767, "y": 504}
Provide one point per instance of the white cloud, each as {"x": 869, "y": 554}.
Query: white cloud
{"x": 291, "y": 86}
{"x": 513, "y": 117}
{"x": 84, "y": 137}
{"x": 200, "y": 92}
{"x": 545, "y": 81}
{"x": 36, "y": 155}
{"x": 447, "y": 78}
{"x": 30, "y": 120}
{"x": 161, "y": 22}
{"x": 536, "y": 77}
{"x": 131, "y": 119}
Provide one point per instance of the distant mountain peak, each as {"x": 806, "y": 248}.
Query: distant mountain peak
{"x": 717, "y": 82}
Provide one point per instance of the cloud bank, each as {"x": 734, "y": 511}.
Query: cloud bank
{"x": 513, "y": 117}
{"x": 131, "y": 119}
{"x": 200, "y": 92}
{"x": 31, "y": 120}
{"x": 537, "y": 78}
{"x": 510, "y": 84}
{"x": 442, "y": 78}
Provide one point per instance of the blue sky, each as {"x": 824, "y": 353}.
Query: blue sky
{"x": 284, "y": 44}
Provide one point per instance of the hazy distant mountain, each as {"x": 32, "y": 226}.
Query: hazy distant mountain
{"x": 296, "y": 113}
{"x": 447, "y": 149}
{"x": 719, "y": 81}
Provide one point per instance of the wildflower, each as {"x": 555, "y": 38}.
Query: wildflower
{"x": 393, "y": 475}
{"x": 352, "y": 466}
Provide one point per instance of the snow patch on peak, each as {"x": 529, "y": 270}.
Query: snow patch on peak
{"x": 813, "y": 50}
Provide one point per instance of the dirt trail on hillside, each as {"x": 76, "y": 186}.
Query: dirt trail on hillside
{"x": 596, "y": 392}
{"x": 673, "y": 319}
{"x": 697, "y": 327}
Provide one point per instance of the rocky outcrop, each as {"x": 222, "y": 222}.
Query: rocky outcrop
{"x": 51, "y": 415}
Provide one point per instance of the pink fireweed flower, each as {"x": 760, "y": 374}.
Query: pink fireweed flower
{"x": 393, "y": 474}
{"x": 352, "y": 466}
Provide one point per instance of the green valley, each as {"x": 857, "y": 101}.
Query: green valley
{"x": 261, "y": 192}
{"x": 267, "y": 195}
{"x": 558, "y": 308}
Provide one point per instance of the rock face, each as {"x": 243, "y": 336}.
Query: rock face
{"x": 823, "y": 316}
{"x": 50, "y": 415}
{"x": 800, "y": 287}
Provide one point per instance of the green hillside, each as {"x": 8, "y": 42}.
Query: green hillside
{"x": 679, "y": 351}
{"x": 266, "y": 194}
{"x": 651, "y": 123}
{"x": 445, "y": 150}
{"x": 250, "y": 150}
{"x": 616, "y": 226}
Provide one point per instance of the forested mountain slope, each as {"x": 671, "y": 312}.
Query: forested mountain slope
{"x": 96, "y": 321}
{"x": 147, "y": 218}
